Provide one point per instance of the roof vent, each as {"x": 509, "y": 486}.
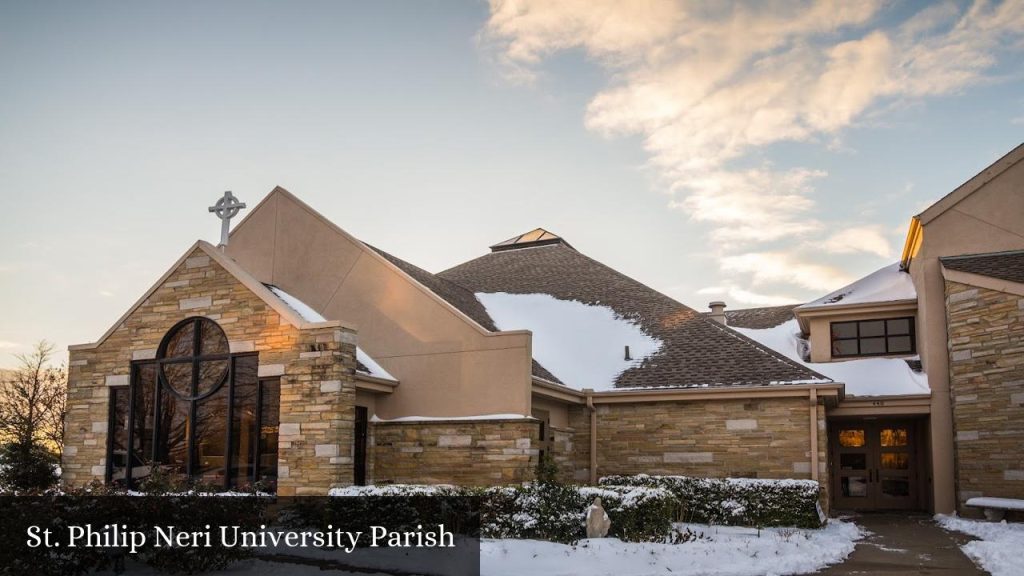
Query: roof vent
{"x": 537, "y": 237}
{"x": 717, "y": 311}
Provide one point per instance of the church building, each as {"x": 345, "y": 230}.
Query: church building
{"x": 296, "y": 356}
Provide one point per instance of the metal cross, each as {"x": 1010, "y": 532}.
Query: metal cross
{"x": 226, "y": 208}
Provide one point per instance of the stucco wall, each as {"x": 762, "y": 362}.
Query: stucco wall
{"x": 986, "y": 344}
{"x": 199, "y": 286}
{"x": 448, "y": 366}
{"x": 986, "y": 221}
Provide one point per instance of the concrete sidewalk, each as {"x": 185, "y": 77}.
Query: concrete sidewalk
{"x": 901, "y": 544}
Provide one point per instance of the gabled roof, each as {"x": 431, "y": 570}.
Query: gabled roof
{"x": 696, "y": 351}
{"x": 287, "y": 313}
{"x": 1002, "y": 265}
{"x": 887, "y": 284}
{"x": 973, "y": 185}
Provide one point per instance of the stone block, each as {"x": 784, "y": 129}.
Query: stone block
{"x": 116, "y": 380}
{"x": 454, "y": 440}
{"x": 689, "y": 457}
{"x": 195, "y": 303}
{"x": 742, "y": 424}
{"x": 326, "y": 449}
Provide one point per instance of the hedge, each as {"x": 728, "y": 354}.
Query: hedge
{"x": 737, "y": 501}
{"x": 541, "y": 511}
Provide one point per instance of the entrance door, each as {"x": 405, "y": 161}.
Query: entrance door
{"x": 874, "y": 465}
{"x": 359, "y": 453}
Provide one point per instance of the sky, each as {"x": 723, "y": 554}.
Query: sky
{"x": 760, "y": 153}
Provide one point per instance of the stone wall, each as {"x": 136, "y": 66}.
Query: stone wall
{"x": 761, "y": 438}
{"x": 986, "y": 347}
{"x": 315, "y": 366}
{"x": 461, "y": 452}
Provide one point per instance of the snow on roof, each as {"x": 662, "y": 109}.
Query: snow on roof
{"x": 310, "y": 315}
{"x": 581, "y": 344}
{"x": 862, "y": 376}
{"x": 885, "y": 285}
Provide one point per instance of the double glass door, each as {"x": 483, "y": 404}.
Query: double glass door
{"x": 874, "y": 465}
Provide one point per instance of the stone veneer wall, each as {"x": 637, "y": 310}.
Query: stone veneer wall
{"x": 460, "y": 452}
{"x": 986, "y": 348}
{"x": 762, "y": 438}
{"x": 314, "y": 364}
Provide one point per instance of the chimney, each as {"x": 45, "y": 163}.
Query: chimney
{"x": 717, "y": 311}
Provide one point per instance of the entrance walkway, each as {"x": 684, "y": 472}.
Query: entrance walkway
{"x": 905, "y": 543}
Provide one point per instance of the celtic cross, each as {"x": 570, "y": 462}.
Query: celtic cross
{"x": 226, "y": 208}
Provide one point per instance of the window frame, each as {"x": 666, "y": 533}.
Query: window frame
{"x": 885, "y": 335}
{"x": 150, "y": 453}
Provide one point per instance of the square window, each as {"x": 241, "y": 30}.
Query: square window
{"x": 873, "y": 328}
{"x": 872, "y": 346}
{"x": 844, "y": 348}
{"x": 844, "y": 329}
{"x": 898, "y": 326}
{"x": 899, "y": 344}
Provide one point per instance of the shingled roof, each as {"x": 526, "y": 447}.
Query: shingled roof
{"x": 1001, "y": 265}
{"x": 697, "y": 351}
{"x": 760, "y": 318}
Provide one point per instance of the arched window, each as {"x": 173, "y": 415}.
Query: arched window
{"x": 197, "y": 410}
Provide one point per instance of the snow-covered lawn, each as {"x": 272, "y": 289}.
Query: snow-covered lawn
{"x": 722, "y": 551}
{"x": 998, "y": 551}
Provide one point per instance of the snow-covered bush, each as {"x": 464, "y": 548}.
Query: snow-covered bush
{"x": 541, "y": 511}
{"x": 557, "y": 512}
{"x": 400, "y": 507}
{"x": 736, "y": 501}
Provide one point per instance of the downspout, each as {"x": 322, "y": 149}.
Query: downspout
{"x": 589, "y": 392}
{"x": 814, "y": 433}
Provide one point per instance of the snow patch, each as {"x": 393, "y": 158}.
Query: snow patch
{"x": 885, "y": 285}
{"x": 722, "y": 550}
{"x": 862, "y": 376}
{"x": 998, "y": 551}
{"x": 582, "y": 344}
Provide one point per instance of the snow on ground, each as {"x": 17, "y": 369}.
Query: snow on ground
{"x": 309, "y": 315}
{"x": 583, "y": 345}
{"x": 999, "y": 549}
{"x": 723, "y": 551}
{"x": 862, "y": 376}
{"x": 885, "y": 285}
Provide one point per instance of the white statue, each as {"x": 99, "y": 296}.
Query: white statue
{"x": 598, "y": 522}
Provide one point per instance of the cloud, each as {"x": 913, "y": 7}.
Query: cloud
{"x": 6, "y": 344}
{"x": 859, "y": 239}
{"x": 784, "y": 268}
{"x": 748, "y": 297}
{"x": 708, "y": 86}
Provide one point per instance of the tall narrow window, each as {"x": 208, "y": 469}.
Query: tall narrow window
{"x": 195, "y": 411}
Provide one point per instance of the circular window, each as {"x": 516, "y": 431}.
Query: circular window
{"x": 194, "y": 358}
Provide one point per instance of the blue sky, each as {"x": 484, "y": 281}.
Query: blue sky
{"x": 760, "y": 153}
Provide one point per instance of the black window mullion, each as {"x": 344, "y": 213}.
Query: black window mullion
{"x": 132, "y": 384}
{"x": 229, "y": 453}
